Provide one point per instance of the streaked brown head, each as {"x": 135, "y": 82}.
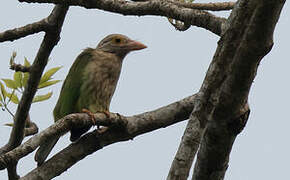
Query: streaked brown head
{"x": 119, "y": 44}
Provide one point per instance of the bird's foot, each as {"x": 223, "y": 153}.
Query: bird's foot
{"x": 107, "y": 113}
{"x": 91, "y": 115}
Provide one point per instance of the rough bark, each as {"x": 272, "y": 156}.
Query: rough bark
{"x": 219, "y": 112}
{"x": 55, "y": 20}
{"x": 91, "y": 142}
{"x": 248, "y": 38}
{"x": 168, "y": 9}
{"x": 224, "y": 110}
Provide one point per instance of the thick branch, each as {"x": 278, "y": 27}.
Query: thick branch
{"x": 224, "y": 92}
{"x": 218, "y": 6}
{"x": 13, "y": 34}
{"x": 130, "y": 127}
{"x": 55, "y": 20}
{"x": 49, "y": 41}
{"x": 254, "y": 22}
{"x": 153, "y": 7}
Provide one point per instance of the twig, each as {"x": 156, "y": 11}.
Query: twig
{"x": 19, "y": 67}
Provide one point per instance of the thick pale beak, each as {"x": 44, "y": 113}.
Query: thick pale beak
{"x": 135, "y": 45}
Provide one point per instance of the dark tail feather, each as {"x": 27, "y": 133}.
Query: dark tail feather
{"x": 44, "y": 150}
{"x": 75, "y": 134}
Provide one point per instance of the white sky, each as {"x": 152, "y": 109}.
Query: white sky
{"x": 171, "y": 68}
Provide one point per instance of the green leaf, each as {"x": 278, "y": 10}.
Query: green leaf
{"x": 12, "y": 58}
{"x": 18, "y": 79}
{"x": 10, "y": 83}
{"x": 9, "y": 124}
{"x": 13, "y": 97}
{"x": 3, "y": 91}
{"x": 47, "y": 75}
{"x": 39, "y": 98}
{"x": 47, "y": 83}
{"x": 26, "y": 62}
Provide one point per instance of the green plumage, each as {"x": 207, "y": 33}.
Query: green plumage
{"x": 90, "y": 83}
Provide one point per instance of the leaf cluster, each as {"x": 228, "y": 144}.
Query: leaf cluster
{"x": 12, "y": 89}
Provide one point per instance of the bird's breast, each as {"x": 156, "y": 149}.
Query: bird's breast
{"x": 100, "y": 80}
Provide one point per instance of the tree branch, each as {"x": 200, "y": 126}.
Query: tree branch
{"x": 19, "y": 67}
{"x": 121, "y": 129}
{"x": 217, "y": 6}
{"x": 49, "y": 41}
{"x": 30, "y": 127}
{"x": 17, "y": 33}
{"x": 223, "y": 110}
{"x": 254, "y": 22}
{"x": 153, "y": 7}
{"x": 55, "y": 21}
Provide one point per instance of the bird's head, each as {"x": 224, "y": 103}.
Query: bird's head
{"x": 119, "y": 44}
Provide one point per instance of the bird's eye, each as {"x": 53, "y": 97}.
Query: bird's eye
{"x": 118, "y": 40}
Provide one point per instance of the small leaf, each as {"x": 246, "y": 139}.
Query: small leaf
{"x": 10, "y": 83}
{"x": 26, "y": 62}
{"x": 47, "y": 75}
{"x": 44, "y": 97}
{"x": 12, "y": 58}
{"x": 18, "y": 79}
{"x": 9, "y": 124}
{"x": 47, "y": 83}
{"x": 3, "y": 91}
{"x": 13, "y": 97}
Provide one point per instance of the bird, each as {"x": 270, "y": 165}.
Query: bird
{"x": 90, "y": 84}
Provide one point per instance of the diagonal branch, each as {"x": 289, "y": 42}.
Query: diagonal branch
{"x": 17, "y": 33}
{"x": 55, "y": 21}
{"x": 194, "y": 17}
{"x": 49, "y": 41}
{"x": 254, "y": 23}
{"x": 124, "y": 128}
{"x": 224, "y": 93}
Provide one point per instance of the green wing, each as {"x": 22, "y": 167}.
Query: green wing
{"x": 70, "y": 90}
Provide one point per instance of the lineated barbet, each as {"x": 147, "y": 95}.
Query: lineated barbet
{"x": 90, "y": 84}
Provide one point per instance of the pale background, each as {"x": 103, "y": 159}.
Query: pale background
{"x": 171, "y": 68}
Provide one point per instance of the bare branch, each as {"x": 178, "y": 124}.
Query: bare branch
{"x": 153, "y": 7}
{"x": 49, "y": 41}
{"x": 218, "y": 6}
{"x": 51, "y": 38}
{"x": 189, "y": 144}
{"x": 134, "y": 125}
{"x": 30, "y": 127}
{"x": 17, "y": 33}
{"x": 19, "y": 67}
{"x": 12, "y": 173}
{"x": 223, "y": 106}
{"x": 254, "y": 22}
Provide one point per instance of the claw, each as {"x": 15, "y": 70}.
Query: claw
{"x": 91, "y": 115}
{"x": 107, "y": 113}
